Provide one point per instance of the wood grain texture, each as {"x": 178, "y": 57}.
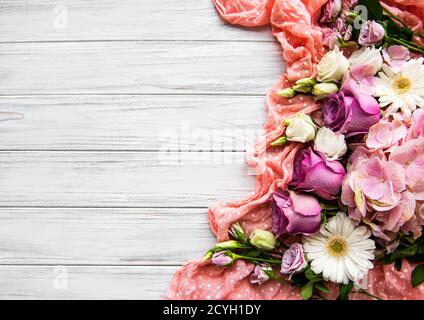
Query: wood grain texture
{"x": 53, "y": 236}
{"x": 84, "y": 282}
{"x": 122, "y": 179}
{"x": 139, "y": 68}
{"x": 43, "y": 20}
{"x": 152, "y": 123}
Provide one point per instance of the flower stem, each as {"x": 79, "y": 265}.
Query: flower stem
{"x": 271, "y": 261}
{"x": 410, "y": 45}
{"x": 392, "y": 15}
{"x": 362, "y": 291}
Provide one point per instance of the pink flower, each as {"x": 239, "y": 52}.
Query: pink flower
{"x": 314, "y": 173}
{"x": 371, "y": 33}
{"x": 386, "y": 134}
{"x": 395, "y": 56}
{"x": 331, "y": 10}
{"x": 261, "y": 274}
{"x": 415, "y": 224}
{"x": 222, "y": 258}
{"x": 417, "y": 124}
{"x": 295, "y": 213}
{"x": 411, "y": 156}
{"x": 396, "y": 217}
{"x": 293, "y": 260}
{"x": 374, "y": 184}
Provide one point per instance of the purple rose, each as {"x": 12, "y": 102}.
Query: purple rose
{"x": 293, "y": 260}
{"x": 222, "y": 258}
{"x": 261, "y": 274}
{"x": 295, "y": 213}
{"x": 314, "y": 173}
{"x": 371, "y": 33}
{"x": 331, "y": 11}
{"x": 350, "y": 111}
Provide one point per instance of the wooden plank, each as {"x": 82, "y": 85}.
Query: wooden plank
{"x": 195, "y": 123}
{"x": 122, "y": 179}
{"x": 114, "y": 236}
{"x": 68, "y": 20}
{"x": 139, "y": 68}
{"x": 84, "y": 282}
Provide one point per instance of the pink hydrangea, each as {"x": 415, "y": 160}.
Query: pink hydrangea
{"x": 386, "y": 134}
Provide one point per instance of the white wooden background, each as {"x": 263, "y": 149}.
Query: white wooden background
{"x": 98, "y": 197}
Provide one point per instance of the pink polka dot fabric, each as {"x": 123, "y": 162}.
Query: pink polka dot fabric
{"x": 294, "y": 25}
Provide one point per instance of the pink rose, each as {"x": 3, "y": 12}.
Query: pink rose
{"x": 386, "y": 134}
{"x": 314, "y": 173}
{"x": 371, "y": 33}
{"x": 293, "y": 260}
{"x": 295, "y": 213}
{"x": 331, "y": 10}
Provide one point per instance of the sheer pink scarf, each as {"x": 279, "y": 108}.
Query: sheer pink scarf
{"x": 294, "y": 25}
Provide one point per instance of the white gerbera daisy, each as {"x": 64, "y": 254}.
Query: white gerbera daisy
{"x": 340, "y": 251}
{"x": 402, "y": 90}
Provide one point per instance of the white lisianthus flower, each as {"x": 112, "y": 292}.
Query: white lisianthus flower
{"x": 367, "y": 56}
{"x": 300, "y": 128}
{"x": 332, "y": 66}
{"x": 332, "y": 144}
{"x": 341, "y": 251}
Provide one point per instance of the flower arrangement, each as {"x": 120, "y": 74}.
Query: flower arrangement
{"x": 356, "y": 195}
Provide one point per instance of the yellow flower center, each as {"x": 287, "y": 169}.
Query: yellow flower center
{"x": 337, "y": 247}
{"x": 401, "y": 85}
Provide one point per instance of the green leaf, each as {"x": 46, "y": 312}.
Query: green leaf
{"x": 345, "y": 289}
{"x": 404, "y": 252}
{"x": 394, "y": 30}
{"x": 418, "y": 275}
{"x": 253, "y": 253}
{"x": 375, "y": 10}
{"x": 322, "y": 287}
{"x": 311, "y": 275}
{"x": 307, "y": 290}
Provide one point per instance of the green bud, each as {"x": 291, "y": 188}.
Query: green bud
{"x": 302, "y": 88}
{"x": 309, "y": 82}
{"x": 279, "y": 142}
{"x": 322, "y": 90}
{"x": 287, "y": 93}
{"x": 207, "y": 256}
{"x": 237, "y": 232}
{"x": 230, "y": 244}
{"x": 262, "y": 239}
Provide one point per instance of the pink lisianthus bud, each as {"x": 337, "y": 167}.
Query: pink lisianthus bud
{"x": 293, "y": 260}
{"x": 371, "y": 33}
{"x": 261, "y": 274}
{"x": 222, "y": 258}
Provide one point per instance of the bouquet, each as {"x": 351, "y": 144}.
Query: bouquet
{"x": 356, "y": 195}
{"x": 338, "y": 207}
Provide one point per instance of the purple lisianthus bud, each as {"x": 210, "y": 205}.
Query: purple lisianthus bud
{"x": 371, "y": 33}
{"x": 314, "y": 173}
{"x": 350, "y": 111}
{"x": 261, "y": 274}
{"x": 331, "y": 11}
{"x": 293, "y": 260}
{"x": 295, "y": 213}
{"x": 222, "y": 258}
